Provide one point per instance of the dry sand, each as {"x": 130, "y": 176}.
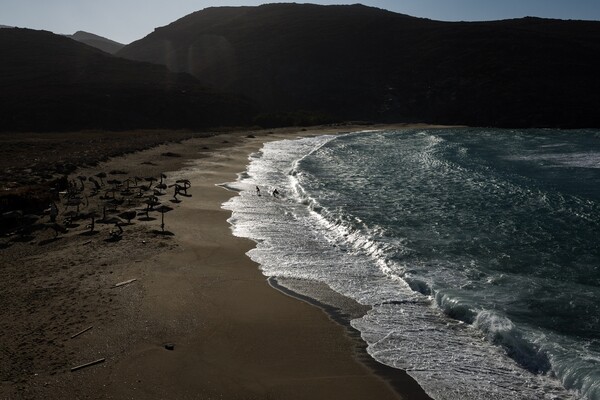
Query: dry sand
{"x": 233, "y": 336}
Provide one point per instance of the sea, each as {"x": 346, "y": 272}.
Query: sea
{"x": 475, "y": 251}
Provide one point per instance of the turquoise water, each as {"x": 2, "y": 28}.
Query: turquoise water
{"x": 477, "y": 250}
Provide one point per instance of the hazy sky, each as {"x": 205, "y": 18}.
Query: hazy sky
{"x": 129, "y": 20}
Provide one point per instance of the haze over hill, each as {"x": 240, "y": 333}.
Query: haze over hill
{"x": 357, "y": 62}
{"x": 99, "y": 42}
{"x": 50, "y": 82}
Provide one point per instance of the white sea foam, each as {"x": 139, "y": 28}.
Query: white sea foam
{"x": 464, "y": 357}
{"x": 589, "y": 159}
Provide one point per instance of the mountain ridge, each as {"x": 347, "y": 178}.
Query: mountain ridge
{"x": 53, "y": 83}
{"x": 99, "y": 42}
{"x": 359, "y": 62}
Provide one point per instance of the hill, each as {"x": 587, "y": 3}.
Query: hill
{"x": 358, "y": 62}
{"x": 52, "y": 83}
{"x": 99, "y": 42}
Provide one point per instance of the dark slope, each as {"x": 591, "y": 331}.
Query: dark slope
{"x": 361, "y": 62}
{"x": 49, "y": 82}
{"x": 99, "y": 42}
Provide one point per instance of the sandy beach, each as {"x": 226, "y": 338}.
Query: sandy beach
{"x": 197, "y": 320}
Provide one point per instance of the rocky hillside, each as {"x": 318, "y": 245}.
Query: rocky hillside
{"x": 99, "y": 42}
{"x": 357, "y": 62}
{"x": 52, "y": 83}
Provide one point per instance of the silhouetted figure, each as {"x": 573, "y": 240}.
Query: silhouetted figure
{"x": 257, "y": 191}
{"x": 276, "y": 193}
{"x": 184, "y": 185}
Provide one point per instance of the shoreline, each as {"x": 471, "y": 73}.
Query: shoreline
{"x": 398, "y": 379}
{"x": 197, "y": 290}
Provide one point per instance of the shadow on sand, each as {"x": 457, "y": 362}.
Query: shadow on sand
{"x": 163, "y": 233}
{"x": 88, "y": 233}
{"x": 113, "y": 239}
{"x": 23, "y": 239}
{"x": 48, "y": 241}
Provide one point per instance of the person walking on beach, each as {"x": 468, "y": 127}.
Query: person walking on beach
{"x": 275, "y": 193}
{"x": 257, "y": 191}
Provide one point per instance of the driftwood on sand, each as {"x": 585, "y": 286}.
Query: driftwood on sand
{"x": 82, "y": 332}
{"x": 125, "y": 282}
{"x": 100, "y": 360}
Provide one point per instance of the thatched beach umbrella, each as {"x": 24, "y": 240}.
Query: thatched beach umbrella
{"x": 150, "y": 179}
{"x": 163, "y": 209}
{"x": 161, "y": 186}
{"x": 113, "y": 191}
{"x": 128, "y": 215}
{"x": 151, "y": 202}
{"x": 158, "y": 192}
{"x": 82, "y": 179}
{"x": 111, "y": 206}
{"x": 107, "y": 209}
{"x": 101, "y": 175}
{"x": 176, "y": 191}
{"x": 113, "y": 220}
{"x": 74, "y": 202}
{"x": 115, "y": 202}
{"x": 95, "y": 182}
{"x": 126, "y": 192}
{"x": 70, "y": 216}
{"x": 92, "y": 215}
{"x": 115, "y": 182}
